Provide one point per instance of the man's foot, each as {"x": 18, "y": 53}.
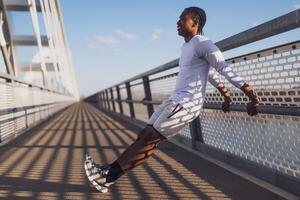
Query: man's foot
{"x": 97, "y": 174}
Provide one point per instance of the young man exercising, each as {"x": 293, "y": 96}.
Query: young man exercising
{"x": 198, "y": 54}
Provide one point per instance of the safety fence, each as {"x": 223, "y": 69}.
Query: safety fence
{"x": 24, "y": 105}
{"x": 267, "y": 145}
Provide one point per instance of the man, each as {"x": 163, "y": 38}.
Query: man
{"x": 198, "y": 53}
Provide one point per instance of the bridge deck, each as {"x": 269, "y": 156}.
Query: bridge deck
{"x": 47, "y": 163}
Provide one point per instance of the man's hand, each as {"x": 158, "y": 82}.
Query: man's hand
{"x": 226, "y": 104}
{"x": 251, "y": 108}
{"x": 254, "y": 99}
{"x": 225, "y": 93}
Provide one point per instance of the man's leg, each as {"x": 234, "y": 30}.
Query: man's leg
{"x": 168, "y": 119}
{"x": 137, "y": 153}
{"x": 141, "y": 149}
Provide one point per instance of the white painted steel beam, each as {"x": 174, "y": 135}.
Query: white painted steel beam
{"x": 20, "y": 5}
{"x": 28, "y": 40}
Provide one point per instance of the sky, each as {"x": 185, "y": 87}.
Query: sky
{"x": 111, "y": 40}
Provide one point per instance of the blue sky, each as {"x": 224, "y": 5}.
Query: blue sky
{"x": 114, "y": 40}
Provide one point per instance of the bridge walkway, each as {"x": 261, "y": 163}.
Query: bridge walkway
{"x": 47, "y": 163}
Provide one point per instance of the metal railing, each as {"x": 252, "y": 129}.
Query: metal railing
{"x": 15, "y": 121}
{"x": 270, "y": 140}
{"x": 24, "y": 105}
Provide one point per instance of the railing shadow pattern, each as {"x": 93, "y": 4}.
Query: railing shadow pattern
{"x": 47, "y": 163}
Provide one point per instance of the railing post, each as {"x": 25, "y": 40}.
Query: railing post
{"x": 196, "y": 132}
{"x": 98, "y": 97}
{"x": 148, "y": 95}
{"x": 103, "y": 101}
{"x": 129, "y": 98}
{"x": 107, "y": 99}
{"x": 26, "y": 119}
{"x": 112, "y": 99}
{"x": 119, "y": 99}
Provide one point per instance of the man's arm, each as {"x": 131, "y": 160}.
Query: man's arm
{"x": 215, "y": 81}
{"x": 215, "y": 58}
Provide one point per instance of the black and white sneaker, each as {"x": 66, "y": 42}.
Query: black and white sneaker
{"x": 97, "y": 174}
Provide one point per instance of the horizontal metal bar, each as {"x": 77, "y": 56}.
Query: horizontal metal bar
{"x": 35, "y": 67}
{"x": 14, "y": 118}
{"x": 297, "y": 42}
{"x": 163, "y": 77}
{"x": 273, "y": 27}
{"x": 11, "y": 78}
{"x": 145, "y": 102}
{"x": 134, "y": 101}
{"x": 6, "y": 76}
{"x": 164, "y": 67}
{"x": 275, "y": 110}
{"x": 18, "y": 109}
{"x": 29, "y": 40}
{"x": 134, "y": 84}
{"x": 20, "y": 5}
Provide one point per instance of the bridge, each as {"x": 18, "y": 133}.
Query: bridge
{"x": 45, "y": 130}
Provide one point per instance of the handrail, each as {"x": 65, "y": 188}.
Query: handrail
{"x": 17, "y": 109}
{"x": 265, "y": 109}
{"x": 11, "y": 78}
{"x": 24, "y": 108}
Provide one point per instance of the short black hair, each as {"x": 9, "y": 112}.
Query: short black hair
{"x": 199, "y": 16}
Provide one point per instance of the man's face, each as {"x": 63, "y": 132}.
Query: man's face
{"x": 185, "y": 24}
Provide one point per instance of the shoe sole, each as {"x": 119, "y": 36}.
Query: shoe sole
{"x": 100, "y": 188}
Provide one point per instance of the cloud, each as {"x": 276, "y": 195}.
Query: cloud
{"x": 126, "y": 35}
{"x": 157, "y": 33}
{"x": 112, "y": 41}
{"x": 296, "y": 6}
{"x": 105, "y": 40}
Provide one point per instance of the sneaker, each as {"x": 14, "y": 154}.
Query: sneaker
{"x": 97, "y": 174}
{"x": 89, "y": 162}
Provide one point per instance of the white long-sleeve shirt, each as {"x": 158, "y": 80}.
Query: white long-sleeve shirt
{"x": 197, "y": 56}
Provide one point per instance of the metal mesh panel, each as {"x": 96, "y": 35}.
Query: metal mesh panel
{"x": 126, "y": 109}
{"x": 141, "y": 111}
{"x": 6, "y": 96}
{"x": 270, "y": 140}
{"x": 7, "y": 126}
{"x": 115, "y": 102}
{"x": 37, "y": 114}
{"x": 6, "y": 101}
{"x": 162, "y": 88}
{"x": 163, "y": 83}
{"x": 137, "y": 92}
{"x": 30, "y": 117}
{"x": 185, "y": 132}
{"x": 18, "y": 96}
{"x": 109, "y": 100}
{"x": 20, "y": 120}
{"x": 274, "y": 74}
{"x": 123, "y": 94}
